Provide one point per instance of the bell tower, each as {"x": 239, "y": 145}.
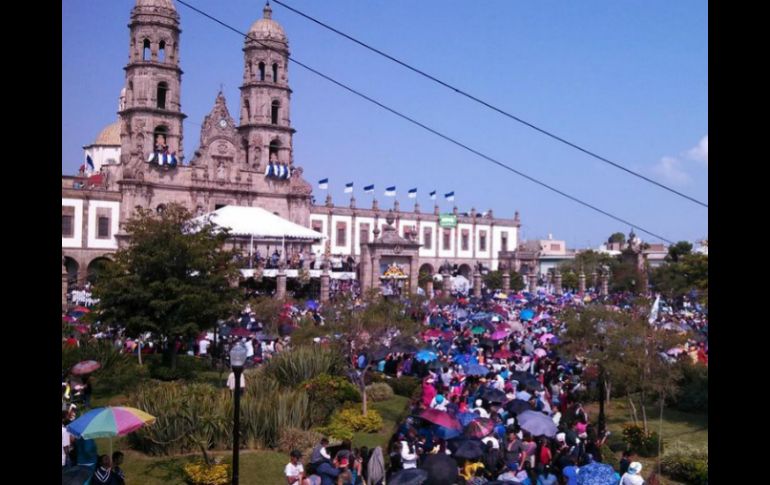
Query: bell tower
{"x": 151, "y": 112}
{"x": 265, "y": 94}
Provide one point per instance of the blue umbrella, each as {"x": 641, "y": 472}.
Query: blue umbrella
{"x": 479, "y": 316}
{"x": 465, "y": 359}
{"x": 426, "y": 355}
{"x": 311, "y": 305}
{"x": 475, "y": 370}
{"x": 466, "y": 418}
{"x": 527, "y": 314}
{"x": 537, "y": 423}
{"x": 413, "y": 476}
{"x": 446, "y": 433}
{"x": 596, "y": 474}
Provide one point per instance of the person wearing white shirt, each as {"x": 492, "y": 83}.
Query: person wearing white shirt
{"x": 203, "y": 347}
{"x": 65, "y": 444}
{"x": 294, "y": 471}
{"x": 480, "y": 410}
{"x": 632, "y": 477}
{"x": 249, "y": 348}
{"x": 231, "y": 381}
{"x": 408, "y": 455}
{"x": 439, "y": 403}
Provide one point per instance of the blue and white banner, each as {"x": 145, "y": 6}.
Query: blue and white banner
{"x": 349, "y": 188}
{"x": 654, "y": 310}
{"x": 323, "y": 184}
{"x": 89, "y": 163}
{"x": 369, "y": 189}
{"x": 450, "y": 196}
{"x": 163, "y": 159}
{"x": 390, "y": 191}
{"x": 277, "y": 171}
{"x": 433, "y": 195}
{"x": 412, "y": 193}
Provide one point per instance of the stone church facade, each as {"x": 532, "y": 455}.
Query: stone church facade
{"x": 248, "y": 162}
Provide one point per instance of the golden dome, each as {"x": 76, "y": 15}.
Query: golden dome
{"x": 267, "y": 28}
{"x": 110, "y": 135}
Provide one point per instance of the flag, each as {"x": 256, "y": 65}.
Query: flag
{"x": 323, "y": 184}
{"x": 412, "y": 194}
{"x": 450, "y": 196}
{"x": 369, "y": 189}
{"x": 654, "y": 311}
{"x": 433, "y": 195}
{"x": 349, "y": 188}
{"x": 390, "y": 191}
{"x": 89, "y": 163}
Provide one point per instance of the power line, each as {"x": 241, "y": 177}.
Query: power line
{"x": 492, "y": 107}
{"x": 427, "y": 128}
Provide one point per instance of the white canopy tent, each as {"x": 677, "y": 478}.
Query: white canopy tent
{"x": 260, "y": 224}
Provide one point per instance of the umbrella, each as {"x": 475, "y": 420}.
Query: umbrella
{"x": 426, "y": 355}
{"x": 447, "y": 335}
{"x": 478, "y": 330}
{"x": 81, "y": 328}
{"x": 432, "y": 333}
{"x": 545, "y": 338}
{"x": 596, "y": 474}
{"x": 446, "y": 433}
{"x": 440, "y": 418}
{"x": 85, "y": 367}
{"x": 69, "y": 319}
{"x": 475, "y": 370}
{"x": 240, "y": 332}
{"x": 470, "y": 450}
{"x": 406, "y": 348}
{"x": 81, "y": 309}
{"x": 442, "y": 469}
{"x": 479, "y": 316}
{"x": 76, "y": 475}
{"x": 499, "y": 335}
{"x": 412, "y": 476}
{"x": 76, "y": 315}
{"x": 380, "y": 353}
{"x": 108, "y": 422}
{"x": 493, "y": 395}
{"x": 465, "y": 359}
{"x": 503, "y": 354}
{"x": 466, "y": 418}
{"x": 516, "y": 326}
{"x": 479, "y": 428}
{"x": 537, "y": 423}
{"x": 311, "y": 305}
{"x": 517, "y": 406}
{"x": 526, "y": 314}
{"x": 540, "y": 352}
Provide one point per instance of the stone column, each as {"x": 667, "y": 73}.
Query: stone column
{"x": 605, "y": 284}
{"x": 581, "y": 283}
{"x": 532, "y": 281}
{"x": 376, "y": 272}
{"x": 557, "y": 282}
{"x": 325, "y": 283}
{"x": 365, "y": 269}
{"x": 414, "y": 274}
{"x": 477, "y": 284}
{"x": 280, "y": 284}
{"x": 64, "y": 278}
{"x": 595, "y": 280}
{"x": 506, "y": 280}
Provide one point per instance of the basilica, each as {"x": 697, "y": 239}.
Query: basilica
{"x": 243, "y": 168}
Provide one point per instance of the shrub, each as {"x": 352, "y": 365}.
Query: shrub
{"x": 119, "y": 372}
{"x": 303, "y": 363}
{"x": 379, "y": 392}
{"x": 328, "y": 393}
{"x": 337, "y": 430}
{"x": 348, "y": 420}
{"x": 406, "y": 386}
{"x": 686, "y": 463}
{"x": 186, "y": 368}
{"x": 644, "y": 444}
{"x": 693, "y": 395}
{"x": 297, "y": 439}
{"x": 199, "y": 473}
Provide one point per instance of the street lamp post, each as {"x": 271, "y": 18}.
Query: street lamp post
{"x": 237, "y": 359}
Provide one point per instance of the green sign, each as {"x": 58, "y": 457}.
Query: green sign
{"x": 447, "y": 220}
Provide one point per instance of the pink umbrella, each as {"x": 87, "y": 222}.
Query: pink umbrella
{"x": 85, "y": 367}
{"x": 448, "y": 335}
{"x": 69, "y": 319}
{"x": 432, "y": 333}
{"x": 545, "y": 338}
{"x": 441, "y": 418}
{"x": 480, "y": 428}
{"x": 503, "y": 354}
{"x": 499, "y": 335}
{"x": 540, "y": 352}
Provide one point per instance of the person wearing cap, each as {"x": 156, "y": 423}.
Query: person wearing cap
{"x": 295, "y": 473}
{"x": 479, "y": 409}
{"x": 632, "y": 476}
{"x": 439, "y": 403}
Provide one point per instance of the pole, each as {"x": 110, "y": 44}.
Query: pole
{"x": 251, "y": 252}
{"x": 236, "y": 422}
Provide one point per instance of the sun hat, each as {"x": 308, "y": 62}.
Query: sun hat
{"x": 634, "y": 468}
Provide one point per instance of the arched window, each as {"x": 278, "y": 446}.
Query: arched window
{"x": 275, "y": 73}
{"x": 274, "y": 112}
{"x": 162, "y": 51}
{"x": 247, "y": 111}
{"x": 275, "y": 146}
{"x": 160, "y": 138}
{"x": 161, "y": 95}
{"x": 261, "y": 71}
{"x": 146, "y": 52}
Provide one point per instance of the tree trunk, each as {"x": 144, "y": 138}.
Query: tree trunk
{"x": 644, "y": 413}
{"x": 363, "y": 398}
{"x": 660, "y": 432}
{"x": 633, "y": 410}
{"x": 602, "y": 398}
{"x": 139, "y": 347}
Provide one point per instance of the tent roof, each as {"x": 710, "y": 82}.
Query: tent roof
{"x": 257, "y": 222}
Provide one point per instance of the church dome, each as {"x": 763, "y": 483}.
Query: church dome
{"x": 156, "y": 3}
{"x": 110, "y": 135}
{"x": 266, "y": 28}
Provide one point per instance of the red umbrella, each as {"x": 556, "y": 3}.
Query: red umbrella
{"x": 479, "y": 428}
{"x": 85, "y": 367}
{"x": 240, "y": 332}
{"x": 82, "y": 309}
{"x": 81, "y": 328}
{"x": 448, "y": 335}
{"x": 503, "y": 354}
{"x": 69, "y": 319}
{"x": 432, "y": 333}
{"x": 440, "y": 418}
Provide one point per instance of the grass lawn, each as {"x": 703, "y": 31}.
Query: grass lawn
{"x": 677, "y": 426}
{"x": 256, "y": 466}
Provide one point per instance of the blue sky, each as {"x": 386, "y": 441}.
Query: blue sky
{"x": 628, "y": 80}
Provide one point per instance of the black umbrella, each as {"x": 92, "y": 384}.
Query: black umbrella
{"x": 442, "y": 469}
{"x": 517, "y": 406}
{"x": 76, "y": 475}
{"x": 493, "y": 395}
{"x": 412, "y": 476}
{"x": 470, "y": 450}
{"x": 380, "y": 353}
{"x": 525, "y": 379}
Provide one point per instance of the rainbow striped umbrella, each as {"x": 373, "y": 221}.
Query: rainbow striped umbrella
{"x": 108, "y": 422}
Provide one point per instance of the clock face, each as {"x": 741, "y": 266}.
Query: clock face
{"x": 223, "y": 123}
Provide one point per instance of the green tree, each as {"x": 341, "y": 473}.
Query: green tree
{"x": 173, "y": 279}
{"x": 494, "y": 280}
{"x": 617, "y": 237}
{"x": 678, "y": 251}
{"x": 674, "y": 279}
